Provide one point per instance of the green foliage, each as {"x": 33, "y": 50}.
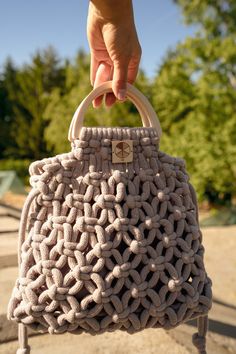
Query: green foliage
{"x": 20, "y": 166}
{"x": 7, "y": 79}
{"x": 215, "y": 17}
{"x": 29, "y": 95}
{"x": 195, "y": 94}
{"x": 64, "y": 101}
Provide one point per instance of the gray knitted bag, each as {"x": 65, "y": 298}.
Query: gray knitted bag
{"x": 113, "y": 239}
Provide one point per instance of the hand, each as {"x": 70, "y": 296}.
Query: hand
{"x": 114, "y": 45}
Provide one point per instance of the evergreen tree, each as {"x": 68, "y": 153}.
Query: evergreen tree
{"x": 29, "y": 94}
{"x": 7, "y": 82}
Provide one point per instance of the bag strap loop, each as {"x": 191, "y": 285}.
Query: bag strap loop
{"x": 146, "y": 111}
{"x": 199, "y": 338}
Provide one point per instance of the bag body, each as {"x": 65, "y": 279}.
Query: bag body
{"x": 113, "y": 238}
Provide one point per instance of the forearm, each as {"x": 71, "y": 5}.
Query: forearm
{"x": 114, "y": 11}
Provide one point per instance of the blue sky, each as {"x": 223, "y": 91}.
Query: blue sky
{"x": 27, "y": 25}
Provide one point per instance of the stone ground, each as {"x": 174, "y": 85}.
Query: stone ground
{"x": 220, "y": 259}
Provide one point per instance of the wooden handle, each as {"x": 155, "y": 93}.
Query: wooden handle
{"x": 147, "y": 113}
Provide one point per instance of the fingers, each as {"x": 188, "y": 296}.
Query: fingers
{"x": 120, "y": 73}
{"x": 124, "y": 71}
{"x": 104, "y": 72}
{"x": 102, "y": 75}
{"x": 110, "y": 97}
{"x": 133, "y": 70}
{"x": 120, "y": 78}
{"x": 93, "y": 69}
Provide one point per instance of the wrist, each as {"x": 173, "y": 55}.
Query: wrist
{"x": 113, "y": 11}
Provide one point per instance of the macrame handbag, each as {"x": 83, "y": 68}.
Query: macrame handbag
{"x": 113, "y": 239}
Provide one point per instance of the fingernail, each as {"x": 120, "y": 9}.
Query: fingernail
{"x": 121, "y": 95}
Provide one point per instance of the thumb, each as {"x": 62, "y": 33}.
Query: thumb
{"x": 120, "y": 79}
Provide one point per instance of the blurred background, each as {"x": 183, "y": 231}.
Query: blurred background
{"x": 188, "y": 72}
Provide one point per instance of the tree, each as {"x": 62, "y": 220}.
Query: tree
{"x": 7, "y": 79}
{"x": 29, "y": 94}
{"x": 216, "y": 18}
{"x": 195, "y": 96}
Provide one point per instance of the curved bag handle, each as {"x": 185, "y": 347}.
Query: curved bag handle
{"x": 145, "y": 109}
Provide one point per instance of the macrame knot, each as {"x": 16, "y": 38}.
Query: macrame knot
{"x": 42, "y": 187}
{"x": 35, "y": 167}
{"x": 130, "y": 201}
{"x": 115, "y": 317}
{"x": 175, "y": 284}
{"x": 117, "y": 224}
{"x": 104, "y": 153}
{"x": 101, "y": 201}
{"x": 97, "y": 296}
{"x": 121, "y": 271}
{"x": 139, "y": 290}
{"x": 24, "y": 350}
{"x": 199, "y": 342}
{"x": 142, "y": 175}
{"x": 167, "y": 169}
{"x": 84, "y": 223}
{"x": 162, "y": 196}
{"x": 152, "y": 265}
{"x": 59, "y": 177}
{"x": 52, "y": 292}
{"x": 94, "y": 143}
{"x": 148, "y": 223}
{"x": 166, "y": 241}
{"x": 134, "y": 291}
{"x": 117, "y": 176}
{"x": 69, "y": 200}
{"x": 117, "y": 272}
{"x": 138, "y": 246}
{"x": 77, "y": 272}
{"x": 147, "y": 151}
{"x": 97, "y": 250}
{"x": 177, "y": 213}
{"x": 188, "y": 257}
{"x": 78, "y": 153}
{"x": 145, "y": 140}
{"x": 134, "y": 246}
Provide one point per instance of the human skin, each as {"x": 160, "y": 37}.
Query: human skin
{"x": 114, "y": 46}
